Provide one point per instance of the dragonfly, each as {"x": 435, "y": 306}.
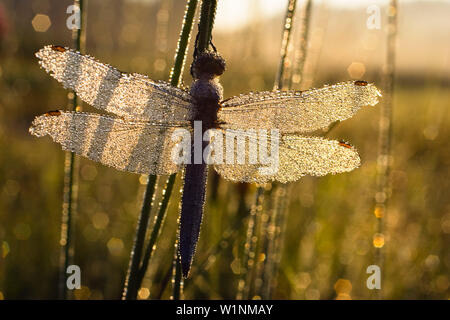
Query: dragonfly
{"x": 135, "y": 132}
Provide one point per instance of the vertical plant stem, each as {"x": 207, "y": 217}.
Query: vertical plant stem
{"x": 278, "y": 217}
{"x": 271, "y": 252}
{"x": 207, "y": 15}
{"x": 180, "y": 56}
{"x": 277, "y": 243}
{"x": 156, "y": 228}
{"x": 265, "y": 236}
{"x": 286, "y": 37}
{"x": 177, "y": 280}
{"x": 131, "y": 284}
{"x": 70, "y": 191}
{"x": 247, "y": 259}
{"x": 300, "y": 53}
{"x": 136, "y": 272}
{"x": 244, "y": 285}
{"x": 384, "y": 138}
{"x": 206, "y": 24}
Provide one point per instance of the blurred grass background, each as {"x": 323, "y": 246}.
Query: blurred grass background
{"x": 330, "y": 227}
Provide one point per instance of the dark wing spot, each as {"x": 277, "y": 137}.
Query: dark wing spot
{"x": 59, "y": 48}
{"x": 217, "y": 124}
{"x": 54, "y": 113}
{"x": 361, "y": 83}
{"x": 345, "y": 144}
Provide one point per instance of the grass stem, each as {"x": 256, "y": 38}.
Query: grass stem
{"x": 247, "y": 259}
{"x": 131, "y": 282}
{"x": 385, "y": 139}
{"x": 137, "y": 268}
{"x": 156, "y": 229}
{"x": 244, "y": 283}
{"x": 286, "y": 37}
{"x": 70, "y": 192}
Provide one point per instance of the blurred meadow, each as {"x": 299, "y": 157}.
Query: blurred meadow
{"x": 330, "y": 233}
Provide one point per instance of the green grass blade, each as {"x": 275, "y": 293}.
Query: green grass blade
{"x": 71, "y": 169}
{"x": 385, "y": 139}
{"x": 136, "y": 272}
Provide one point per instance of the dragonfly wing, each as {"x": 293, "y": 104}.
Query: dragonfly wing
{"x": 132, "y": 96}
{"x": 138, "y": 147}
{"x": 297, "y": 156}
{"x": 297, "y": 111}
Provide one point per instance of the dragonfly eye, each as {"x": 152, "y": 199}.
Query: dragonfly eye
{"x": 208, "y": 63}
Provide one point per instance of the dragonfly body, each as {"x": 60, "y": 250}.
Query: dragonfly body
{"x": 207, "y": 93}
{"x": 137, "y": 134}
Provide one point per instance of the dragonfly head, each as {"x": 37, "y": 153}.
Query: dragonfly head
{"x": 208, "y": 65}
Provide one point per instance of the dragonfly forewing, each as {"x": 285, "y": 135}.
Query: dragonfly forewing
{"x": 131, "y": 96}
{"x": 297, "y": 111}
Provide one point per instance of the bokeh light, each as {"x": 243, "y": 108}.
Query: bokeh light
{"x": 41, "y": 23}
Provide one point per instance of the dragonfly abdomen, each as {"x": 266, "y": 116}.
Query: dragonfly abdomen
{"x": 193, "y": 201}
{"x": 207, "y": 92}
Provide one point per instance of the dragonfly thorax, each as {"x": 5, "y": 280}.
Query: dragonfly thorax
{"x": 206, "y": 91}
{"x": 206, "y": 94}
